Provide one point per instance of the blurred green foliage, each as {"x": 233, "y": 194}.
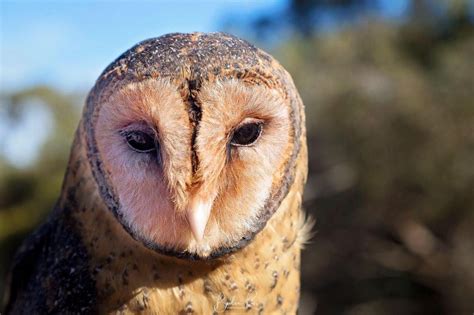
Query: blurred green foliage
{"x": 390, "y": 117}
{"x": 28, "y": 194}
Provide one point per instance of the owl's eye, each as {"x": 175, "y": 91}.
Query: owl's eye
{"x": 247, "y": 134}
{"x": 140, "y": 141}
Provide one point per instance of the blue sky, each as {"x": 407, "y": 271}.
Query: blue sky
{"x": 68, "y": 43}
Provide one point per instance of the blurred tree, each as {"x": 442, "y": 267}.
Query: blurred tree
{"x": 28, "y": 194}
{"x": 432, "y": 24}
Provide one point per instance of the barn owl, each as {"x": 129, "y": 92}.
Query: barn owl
{"x": 183, "y": 190}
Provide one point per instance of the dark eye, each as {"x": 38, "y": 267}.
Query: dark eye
{"x": 246, "y": 135}
{"x": 140, "y": 141}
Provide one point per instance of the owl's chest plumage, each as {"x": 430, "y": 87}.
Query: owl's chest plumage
{"x": 263, "y": 277}
{"x": 256, "y": 281}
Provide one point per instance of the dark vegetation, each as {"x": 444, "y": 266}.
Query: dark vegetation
{"x": 390, "y": 116}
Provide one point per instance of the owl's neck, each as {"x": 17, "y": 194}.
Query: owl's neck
{"x": 262, "y": 276}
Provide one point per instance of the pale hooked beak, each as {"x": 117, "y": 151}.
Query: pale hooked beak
{"x": 198, "y": 214}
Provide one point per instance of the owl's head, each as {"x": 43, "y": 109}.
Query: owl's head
{"x": 192, "y": 139}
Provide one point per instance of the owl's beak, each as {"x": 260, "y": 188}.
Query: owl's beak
{"x": 198, "y": 214}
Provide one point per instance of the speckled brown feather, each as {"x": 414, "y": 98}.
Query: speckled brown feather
{"x": 258, "y": 275}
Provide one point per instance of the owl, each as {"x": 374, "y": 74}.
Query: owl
{"x": 183, "y": 189}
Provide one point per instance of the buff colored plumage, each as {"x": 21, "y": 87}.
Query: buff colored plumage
{"x": 125, "y": 235}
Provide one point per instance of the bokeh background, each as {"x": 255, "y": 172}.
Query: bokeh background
{"x": 389, "y": 92}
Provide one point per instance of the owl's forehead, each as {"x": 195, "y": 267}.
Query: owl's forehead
{"x": 194, "y": 58}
